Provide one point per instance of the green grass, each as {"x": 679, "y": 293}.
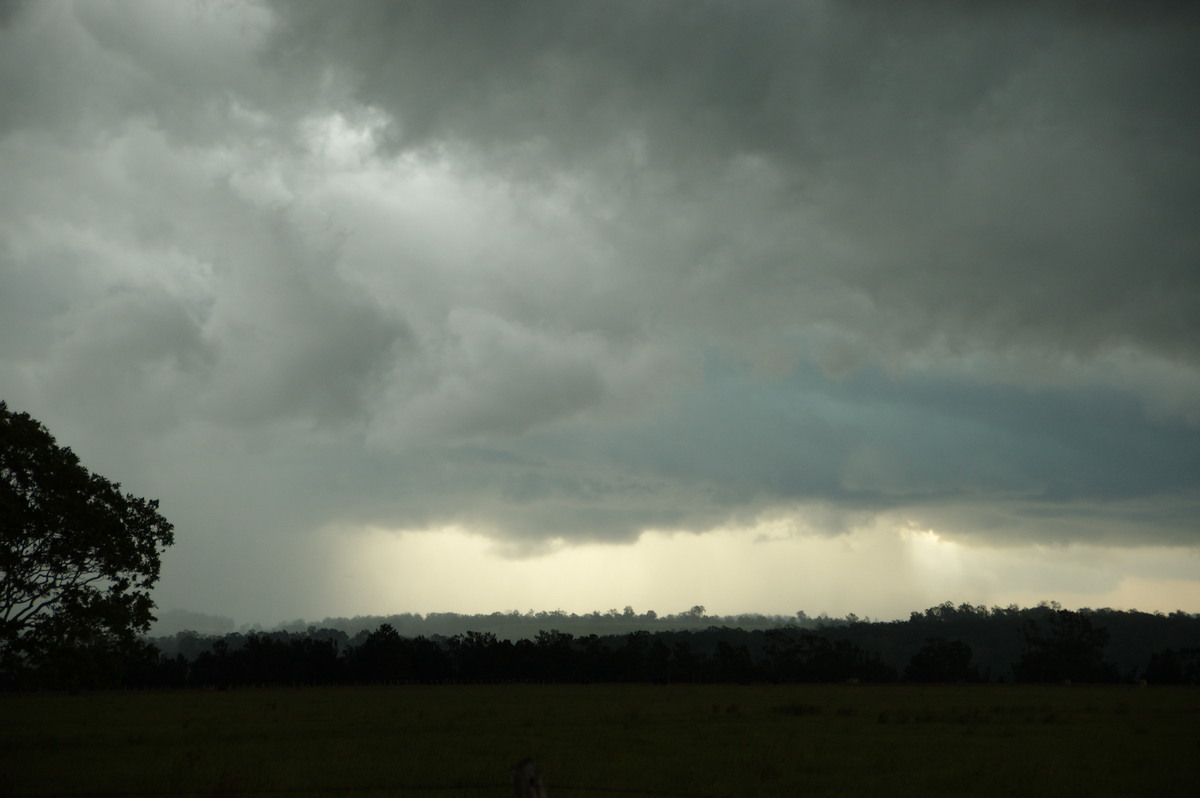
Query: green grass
{"x": 760, "y": 740}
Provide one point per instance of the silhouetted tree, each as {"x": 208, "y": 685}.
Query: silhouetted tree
{"x": 480, "y": 656}
{"x": 596, "y": 660}
{"x": 554, "y": 656}
{"x": 380, "y": 658}
{"x": 941, "y": 661}
{"x": 797, "y": 655}
{"x": 632, "y": 657}
{"x": 687, "y": 665}
{"x": 1174, "y": 666}
{"x": 732, "y": 663}
{"x": 1069, "y": 648}
{"x": 77, "y": 559}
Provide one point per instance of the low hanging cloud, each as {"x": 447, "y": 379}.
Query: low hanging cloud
{"x": 572, "y": 271}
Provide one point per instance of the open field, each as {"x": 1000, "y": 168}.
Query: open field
{"x": 762, "y": 740}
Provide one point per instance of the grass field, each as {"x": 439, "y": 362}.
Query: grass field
{"x": 795, "y": 740}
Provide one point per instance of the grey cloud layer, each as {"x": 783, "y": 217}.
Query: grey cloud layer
{"x": 987, "y": 175}
{"x": 582, "y": 269}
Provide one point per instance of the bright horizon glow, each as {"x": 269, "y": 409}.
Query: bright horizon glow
{"x": 883, "y": 572}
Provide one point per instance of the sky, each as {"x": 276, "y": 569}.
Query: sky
{"x": 488, "y": 306}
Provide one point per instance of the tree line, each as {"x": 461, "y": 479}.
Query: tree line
{"x": 1047, "y": 644}
{"x": 514, "y": 624}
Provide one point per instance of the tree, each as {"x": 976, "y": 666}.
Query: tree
{"x": 941, "y": 660}
{"x": 1071, "y": 650}
{"x": 77, "y": 557}
{"x": 1174, "y": 666}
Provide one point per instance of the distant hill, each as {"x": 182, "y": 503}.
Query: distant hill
{"x": 525, "y": 626}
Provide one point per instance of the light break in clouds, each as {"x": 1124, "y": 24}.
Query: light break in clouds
{"x": 474, "y": 306}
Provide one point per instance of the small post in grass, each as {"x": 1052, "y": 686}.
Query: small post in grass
{"x": 527, "y": 780}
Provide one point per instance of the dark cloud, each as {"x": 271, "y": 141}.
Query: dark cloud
{"x": 874, "y": 444}
{"x": 1007, "y": 177}
{"x": 571, "y": 271}
{"x": 9, "y": 9}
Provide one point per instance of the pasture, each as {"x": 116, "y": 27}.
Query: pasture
{"x": 635, "y": 740}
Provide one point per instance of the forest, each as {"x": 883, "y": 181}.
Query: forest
{"x": 946, "y": 643}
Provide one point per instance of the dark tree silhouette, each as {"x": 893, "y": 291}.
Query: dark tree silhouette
{"x": 1174, "y": 666}
{"x": 948, "y": 641}
{"x": 553, "y": 658}
{"x": 480, "y": 656}
{"x": 732, "y": 663}
{"x": 796, "y": 655}
{"x": 1069, "y": 648}
{"x": 382, "y": 657}
{"x": 77, "y": 558}
{"x": 941, "y": 660}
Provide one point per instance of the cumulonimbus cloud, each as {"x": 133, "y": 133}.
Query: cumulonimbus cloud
{"x": 576, "y": 270}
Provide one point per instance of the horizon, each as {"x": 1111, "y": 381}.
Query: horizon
{"x": 177, "y": 620}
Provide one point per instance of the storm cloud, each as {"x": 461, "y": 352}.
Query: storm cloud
{"x": 563, "y": 273}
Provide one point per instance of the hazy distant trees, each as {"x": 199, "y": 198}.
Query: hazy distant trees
{"x": 77, "y": 560}
{"x": 517, "y": 625}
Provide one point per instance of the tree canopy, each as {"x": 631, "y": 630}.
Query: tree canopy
{"x": 77, "y": 556}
